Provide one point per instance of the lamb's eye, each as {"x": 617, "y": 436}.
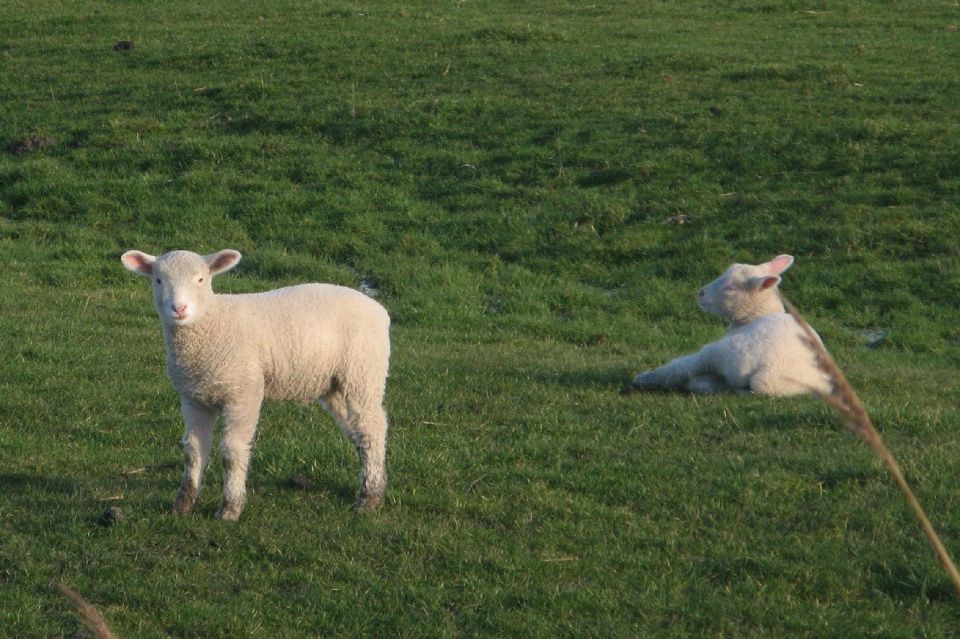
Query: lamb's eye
{"x": 200, "y": 280}
{"x": 158, "y": 280}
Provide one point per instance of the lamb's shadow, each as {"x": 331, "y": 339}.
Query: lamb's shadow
{"x": 611, "y": 379}
{"x": 156, "y": 484}
{"x": 13, "y": 483}
{"x": 328, "y": 487}
{"x": 34, "y": 494}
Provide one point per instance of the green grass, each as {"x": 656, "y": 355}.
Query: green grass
{"x": 504, "y": 174}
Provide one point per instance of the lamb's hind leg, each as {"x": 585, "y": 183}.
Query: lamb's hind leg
{"x": 365, "y": 423}
{"x": 198, "y": 433}
{"x": 708, "y": 385}
{"x": 675, "y": 375}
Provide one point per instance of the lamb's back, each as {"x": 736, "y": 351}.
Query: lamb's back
{"x": 311, "y": 336}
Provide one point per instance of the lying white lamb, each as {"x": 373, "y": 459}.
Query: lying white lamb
{"x": 226, "y": 353}
{"x": 763, "y": 350}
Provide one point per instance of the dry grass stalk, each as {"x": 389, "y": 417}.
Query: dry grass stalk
{"x": 845, "y": 401}
{"x": 90, "y": 616}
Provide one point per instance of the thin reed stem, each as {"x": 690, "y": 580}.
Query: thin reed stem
{"x": 845, "y": 401}
{"x": 89, "y": 614}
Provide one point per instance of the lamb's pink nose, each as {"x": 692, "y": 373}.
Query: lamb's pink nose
{"x": 180, "y": 309}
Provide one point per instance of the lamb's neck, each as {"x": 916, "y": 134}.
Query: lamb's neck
{"x": 766, "y": 305}
{"x": 212, "y": 329}
{"x": 178, "y": 337}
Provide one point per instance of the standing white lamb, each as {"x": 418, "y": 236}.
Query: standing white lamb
{"x": 763, "y": 350}
{"x": 226, "y": 353}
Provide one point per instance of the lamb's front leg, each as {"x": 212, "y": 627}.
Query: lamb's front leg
{"x": 198, "y": 433}
{"x": 239, "y": 427}
{"x": 675, "y": 375}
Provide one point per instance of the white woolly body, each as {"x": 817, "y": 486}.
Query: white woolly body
{"x": 299, "y": 342}
{"x": 227, "y": 353}
{"x": 763, "y": 351}
{"x": 765, "y": 356}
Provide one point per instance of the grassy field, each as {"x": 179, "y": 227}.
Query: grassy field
{"x": 511, "y": 177}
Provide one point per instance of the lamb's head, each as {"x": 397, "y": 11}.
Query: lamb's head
{"x": 182, "y": 289}
{"x": 745, "y": 291}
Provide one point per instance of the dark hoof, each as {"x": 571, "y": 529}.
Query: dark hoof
{"x": 230, "y": 512}
{"x": 181, "y": 509}
{"x": 368, "y": 503}
{"x": 186, "y": 498}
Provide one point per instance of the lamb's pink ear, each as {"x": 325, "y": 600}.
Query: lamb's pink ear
{"x": 779, "y": 264}
{"x": 139, "y": 262}
{"x": 222, "y": 260}
{"x": 767, "y": 282}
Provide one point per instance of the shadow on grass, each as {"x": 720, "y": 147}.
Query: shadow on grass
{"x": 723, "y": 571}
{"x": 604, "y": 177}
{"x": 26, "y": 482}
{"x": 335, "y": 491}
{"x": 902, "y": 583}
{"x": 613, "y": 380}
{"x": 783, "y": 418}
{"x": 838, "y": 478}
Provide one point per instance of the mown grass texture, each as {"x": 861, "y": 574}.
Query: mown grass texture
{"x": 510, "y": 177}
